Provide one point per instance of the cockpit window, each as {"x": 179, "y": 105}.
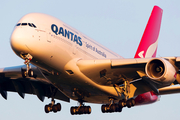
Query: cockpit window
{"x": 25, "y": 24}
{"x": 33, "y": 25}
{"x": 18, "y": 24}
{"x": 30, "y": 24}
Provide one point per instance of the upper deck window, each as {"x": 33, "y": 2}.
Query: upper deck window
{"x": 25, "y": 24}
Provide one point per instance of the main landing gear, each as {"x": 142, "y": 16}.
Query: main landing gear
{"x": 117, "y": 107}
{"x": 111, "y": 108}
{"x": 80, "y": 110}
{"x": 52, "y": 107}
{"x": 126, "y": 102}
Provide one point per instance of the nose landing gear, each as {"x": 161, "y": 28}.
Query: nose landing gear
{"x": 28, "y": 71}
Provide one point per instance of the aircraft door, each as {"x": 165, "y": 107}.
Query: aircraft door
{"x": 75, "y": 47}
{"x": 48, "y": 35}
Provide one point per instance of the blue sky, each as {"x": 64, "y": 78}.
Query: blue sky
{"x": 117, "y": 24}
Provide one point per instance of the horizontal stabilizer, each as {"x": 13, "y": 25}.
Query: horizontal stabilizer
{"x": 169, "y": 90}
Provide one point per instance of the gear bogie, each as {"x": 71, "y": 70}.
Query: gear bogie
{"x": 80, "y": 110}
{"x": 54, "y": 108}
{"x": 109, "y": 108}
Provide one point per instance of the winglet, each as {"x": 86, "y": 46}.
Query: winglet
{"x": 149, "y": 40}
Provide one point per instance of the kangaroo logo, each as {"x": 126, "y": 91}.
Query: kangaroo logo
{"x": 141, "y": 54}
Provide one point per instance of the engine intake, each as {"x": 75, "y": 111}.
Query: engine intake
{"x": 155, "y": 68}
{"x": 160, "y": 69}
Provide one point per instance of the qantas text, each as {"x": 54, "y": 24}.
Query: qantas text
{"x": 66, "y": 33}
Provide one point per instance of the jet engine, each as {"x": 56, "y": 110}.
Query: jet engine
{"x": 160, "y": 69}
{"x": 178, "y": 77}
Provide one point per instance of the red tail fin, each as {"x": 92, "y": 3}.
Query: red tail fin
{"x": 149, "y": 40}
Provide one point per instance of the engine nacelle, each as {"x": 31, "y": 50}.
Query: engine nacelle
{"x": 159, "y": 69}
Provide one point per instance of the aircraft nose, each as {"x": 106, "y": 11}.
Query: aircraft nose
{"x": 17, "y": 41}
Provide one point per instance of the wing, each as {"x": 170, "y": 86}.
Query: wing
{"x": 145, "y": 74}
{"x": 11, "y": 80}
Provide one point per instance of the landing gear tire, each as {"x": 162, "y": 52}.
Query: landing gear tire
{"x": 130, "y": 103}
{"x": 88, "y": 110}
{"x": 119, "y": 109}
{"x": 73, "y": 110}
{"x": 47, "y": 108}
{"x": 54, "y": 108}
{"x": 30, "y": 73}
{"x": 81, "y": 110}
{"x": 133, "y": 102}
{"x": 104, "y": 108}
{"x": 24, "y": 73}
{"x": 122, "y": 103}
{"x": 112, "y": 108}
{"x": 58, "y": 107}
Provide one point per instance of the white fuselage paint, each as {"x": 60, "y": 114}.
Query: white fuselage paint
{"x": 56, "y": 53}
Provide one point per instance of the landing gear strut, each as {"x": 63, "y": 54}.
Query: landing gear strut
{"x": 126, "y": 101}
{"x": 52, "y": 107}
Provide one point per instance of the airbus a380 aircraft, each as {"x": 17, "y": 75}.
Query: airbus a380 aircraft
{"x": 62, "y": 63}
